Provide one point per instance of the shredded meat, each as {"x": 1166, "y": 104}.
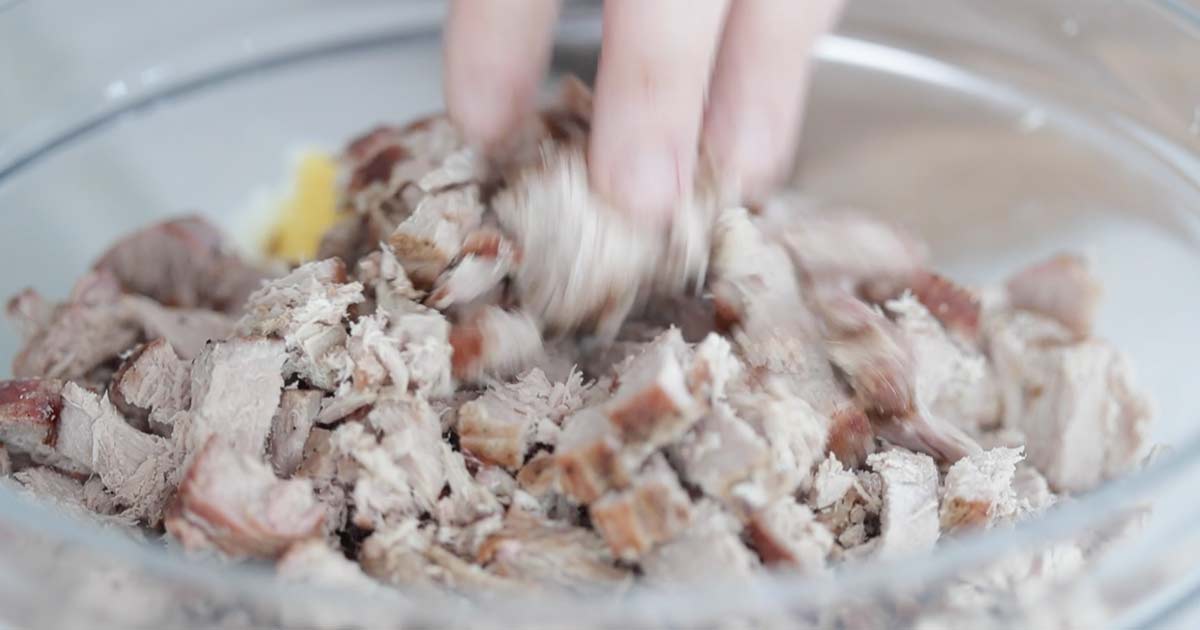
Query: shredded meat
{"x": 493, "y": 381}
{"x": 233, "y": 501}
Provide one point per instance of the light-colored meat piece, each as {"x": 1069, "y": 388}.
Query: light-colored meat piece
{"x": 472, "y": 278}
{"x": 377, "y": 356}
{"x": 399, "y": 473}
{"x": 1032, "y": 491}
{"x": 29, "y": 411}
{"x": 487, "y": 259}
{"x": 387, "y": 163}
{"x": 320, "y": 466}
{"x": 1083, "y": 418}
{"x": 181, "y": 263}
{"x": 427, "y": 351}
{"x": 406, "y": 347}
{"x": 392, "y": 288}
{"x": 843, "y": 246}
{"x": 87, "y": 501}
{"x": 978, "y": 489}
{"x": 550, "y": 554}
{"x": 724, "y": 457}
{"x": 954, "y": 385}
{"x": 53, "y": 487}
{"x": 539, "y": 476}
{"x": 794, "y": 432}
{"x": 848, "y": 503}
{"x": 313, "y": 562}
{"x": 592, "y": 266}
{"x": 908, "y": 522}
{"x": 495, "y": 343}
{"x": 787, "y": 533}
{"x": 235, "y": 387}
{"x": 870, "y": 350}
{"x": 78, "y": 337}
{"x": 139, "y": 468}
{"x": 1061, "y": 288}
{"x": 713, "y": 367}
{"x": 97, "y": 323}
{"x": 831, "y": 482}
{"x": 346, "y": 402}
{"x": 232, "y": 501}
{"x": 406, "y": 554}
{"x": 294, "y": 419}
{"x": 502, "y": 425}
{"x": 756, "y": 296}
{"x": 430, "y": 238}
{"x": 464, "y": 166}
{"x": 880, "y": 361}
{"x": 709, "y": 547}
{"x": 653, "y": 510}
{"x": 154, "y": 384}
{"x": 29, "y": 312}
{"x": 186, "y": 329}
{"x": 101, "y": 500}
{"x": 653, "y": 403}
{"x": 466, "y": 500}
{"x": 306, "y": 308}
{"x": 591, "y": 458}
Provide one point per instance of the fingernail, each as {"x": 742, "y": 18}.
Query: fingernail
{"x": 648, "y": 184}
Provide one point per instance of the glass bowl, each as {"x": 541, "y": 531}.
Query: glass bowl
{"x": 999, "y": 131}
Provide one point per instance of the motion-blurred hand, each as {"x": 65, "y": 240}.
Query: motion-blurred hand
{"x": 658, "y": 61}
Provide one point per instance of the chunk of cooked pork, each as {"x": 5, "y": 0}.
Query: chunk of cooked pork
{"x": 232, "y": 501}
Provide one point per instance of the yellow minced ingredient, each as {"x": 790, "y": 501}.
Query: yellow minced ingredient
{"x": 308, "y": 212}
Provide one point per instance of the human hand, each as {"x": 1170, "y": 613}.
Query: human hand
{"x": 658, "y": 60}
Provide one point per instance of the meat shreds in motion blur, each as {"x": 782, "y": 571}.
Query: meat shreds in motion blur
{"x": 491, "y": 378}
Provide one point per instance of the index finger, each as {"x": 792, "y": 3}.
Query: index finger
{"x": 496, "y": 52}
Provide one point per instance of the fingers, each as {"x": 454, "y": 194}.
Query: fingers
{"x": 496, "y": 52}
{"x": 757, "y": 97}
{"x": 655, "y": 63}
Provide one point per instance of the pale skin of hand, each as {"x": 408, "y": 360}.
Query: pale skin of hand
{"x": 676, "y": 77}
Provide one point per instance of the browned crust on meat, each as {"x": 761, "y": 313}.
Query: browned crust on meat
{"x": 378, "y": 168}
{"x": 588, "y": 472}
{"x": 1061, "y": 288}
{"x": 618, "y": 522}
{"x": 483, "y": 243}
{"x": 958, "y": 513}
{"x": 538, "y": 475}
{"x": 361, "y": 147}
{"x": 639, "y": 416}
{"x": 498, "y": 444}
{"x": 725, "y": 316}
{"x": 770, "y": 550}
{"x": 883, "y": 374}
{"x": 190, "y": 505}
{"x": 33, "y": 401}
{"x": 114, "y": 386}
{"x": 467, "y": 344}
{"x": 851, "y": 437}
{"x": 632, "y": 523}
{"x": 954, "y": 305}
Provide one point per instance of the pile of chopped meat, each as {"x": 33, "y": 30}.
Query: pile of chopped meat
{"x": 491, "y": 380}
